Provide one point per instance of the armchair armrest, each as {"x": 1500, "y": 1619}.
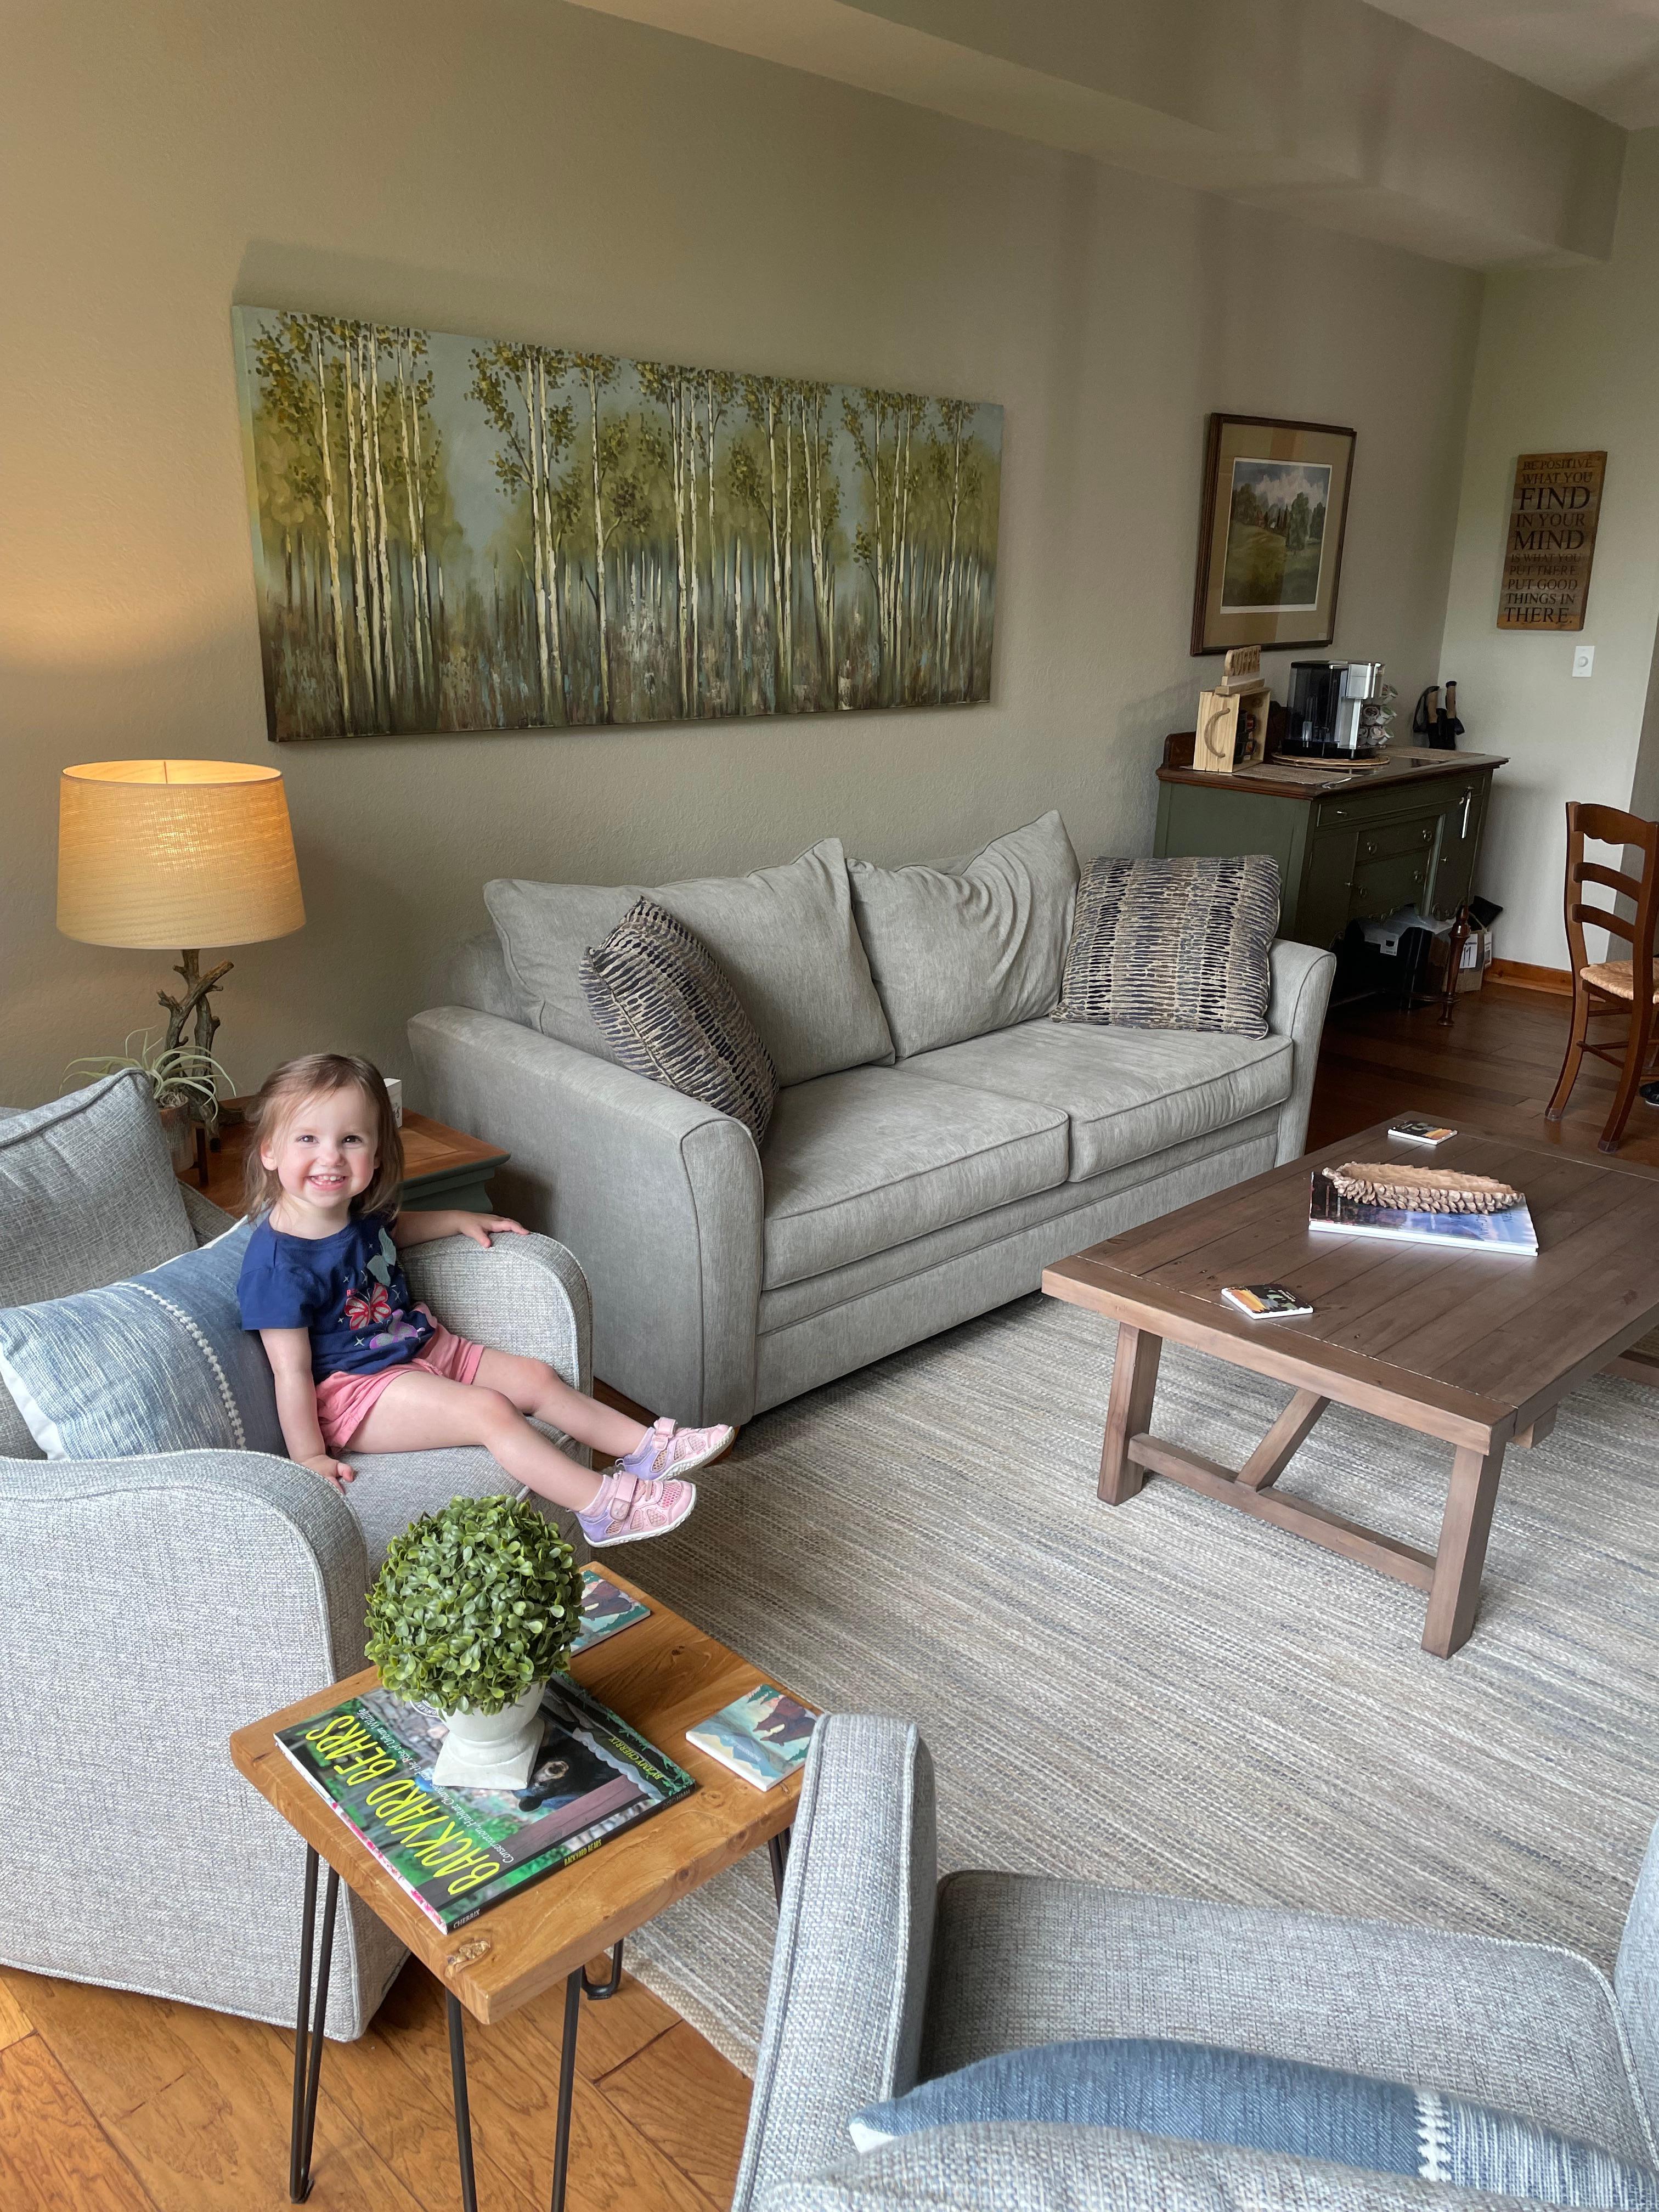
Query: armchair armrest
{"x": 148, "y": 1607}
{"x": 523, "y": 1294}
{"x": 855, "y": 1930}
{"x": 659, "y": 1198}
{"x": 1302, "y": 979}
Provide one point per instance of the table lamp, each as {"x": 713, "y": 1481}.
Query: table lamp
{"x": 164, "y": 853}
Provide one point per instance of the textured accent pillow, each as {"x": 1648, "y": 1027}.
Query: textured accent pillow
{"x": 1173, "y": 945}
{"x": 785, "y": 938}
{"x": 667, "y": 1012}
{"x": 159, "y": 1363}
{"x": 971, "y": 945}
{"x": 86, "y": 1195}
{"x": 1201, "y": 2094}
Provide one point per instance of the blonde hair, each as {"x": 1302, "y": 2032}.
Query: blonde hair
{"x": 319, "y": 1075}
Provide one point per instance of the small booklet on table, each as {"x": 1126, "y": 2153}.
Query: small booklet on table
{"x": 764, "y": 1737}
{"x": 604, "y": 1610}
{"x": 1265, "y": 1300}
{"x": 1413, "y": 1129}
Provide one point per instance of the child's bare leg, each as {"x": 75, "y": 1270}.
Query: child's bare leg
{"x": 534, "y": 1388}
{"x": 419, "y": 1411}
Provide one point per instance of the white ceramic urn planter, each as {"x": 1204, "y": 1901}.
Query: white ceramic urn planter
{"x": 492, "y": 1751}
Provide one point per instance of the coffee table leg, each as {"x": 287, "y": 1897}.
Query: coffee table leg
{"x": 573, "y": 2003}
{"x": 1455, "y": 1594}
{"x": 308, "y": 2029}
{"x": 777, "y": 1850}
{"x": 463, "y": 2110}
{"x": 1128, "y": 1410}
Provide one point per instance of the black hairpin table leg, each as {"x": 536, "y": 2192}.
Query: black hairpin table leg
{"x": 777, "y": 1850}
{"x": 308, "y": 2028}
{"x": 463, "y": 2110}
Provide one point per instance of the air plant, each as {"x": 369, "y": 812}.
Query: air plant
{"x": 178, "y": 1074}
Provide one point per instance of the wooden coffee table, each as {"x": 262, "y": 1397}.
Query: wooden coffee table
{"x": 1476, "y": 1348}
{"x": 664, "y": 1676}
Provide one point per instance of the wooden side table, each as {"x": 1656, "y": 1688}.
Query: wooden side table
{"x": 442, "y": 1166}
{"x": 663, "y": 1676}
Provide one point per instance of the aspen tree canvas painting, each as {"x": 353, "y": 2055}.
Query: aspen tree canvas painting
{"x": 451, "y": 534}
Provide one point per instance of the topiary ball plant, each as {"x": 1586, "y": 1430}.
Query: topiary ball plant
{"x": 475, "y": 1603}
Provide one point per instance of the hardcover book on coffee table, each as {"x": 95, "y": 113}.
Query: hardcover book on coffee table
{"x": 1353, "y": 1200}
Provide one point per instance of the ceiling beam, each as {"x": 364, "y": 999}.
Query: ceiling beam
{"x": 1326, "y": 109}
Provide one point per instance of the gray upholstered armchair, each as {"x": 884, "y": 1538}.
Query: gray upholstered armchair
{"x": 149, "y": 1607}
{"x": 882, "y": 1978}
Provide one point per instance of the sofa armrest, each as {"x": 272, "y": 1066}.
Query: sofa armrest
{"x": 659, "y": 1198}
{"x": 206, "y": 1219}
{"x": 855, "y": 1930}
{"x": 1302, "y": 979}
{"x": 523, "y": 1294}
{"x": 148, "y": 1608}
{"x": 1044, "y": 2167}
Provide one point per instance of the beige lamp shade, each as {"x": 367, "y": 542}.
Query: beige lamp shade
{"x": 171, "y": 854}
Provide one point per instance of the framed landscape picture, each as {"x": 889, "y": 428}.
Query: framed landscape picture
{"x": 1270, "y": 532}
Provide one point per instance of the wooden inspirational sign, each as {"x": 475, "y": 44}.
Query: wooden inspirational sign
{"x": 1553, "y": 512}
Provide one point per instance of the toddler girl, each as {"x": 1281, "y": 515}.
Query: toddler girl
{"x": 359, "y": 1366}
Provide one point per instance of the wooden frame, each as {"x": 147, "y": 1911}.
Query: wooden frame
{"x": 1266, "y": 447}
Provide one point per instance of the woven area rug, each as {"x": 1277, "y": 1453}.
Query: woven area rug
{"x": 1166, "y": 1695}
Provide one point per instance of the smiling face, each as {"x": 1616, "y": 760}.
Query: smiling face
{"x": 324, "y": 1154}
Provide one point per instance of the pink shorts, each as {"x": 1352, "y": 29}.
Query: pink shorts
{"x": 344, "y": 1401}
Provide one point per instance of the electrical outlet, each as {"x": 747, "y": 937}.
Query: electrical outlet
{"x": 1584, "y": 659}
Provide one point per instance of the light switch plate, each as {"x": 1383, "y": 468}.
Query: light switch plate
{"x": 1584, "y": 659}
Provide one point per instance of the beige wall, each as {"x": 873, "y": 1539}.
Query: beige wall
{"x": 541, "y": 172}
{"x": 1568, "y": 361}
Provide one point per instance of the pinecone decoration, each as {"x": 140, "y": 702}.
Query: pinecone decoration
{"x": 1422, "y": 1190}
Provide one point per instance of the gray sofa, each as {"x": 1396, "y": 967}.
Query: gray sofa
{"x": 884, "y": 1977}
{"x": 149, "y": 1607}
{"x": 906, "y": 1183}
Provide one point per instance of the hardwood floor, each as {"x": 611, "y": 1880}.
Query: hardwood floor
{"x": 113, "y": 2103}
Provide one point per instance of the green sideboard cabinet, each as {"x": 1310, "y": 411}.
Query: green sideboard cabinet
{"x": 1350, "y": 846}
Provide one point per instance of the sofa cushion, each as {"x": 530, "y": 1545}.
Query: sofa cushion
{"x": 1526, "y": 2028}
{"x": 858, "y": 1161}
{"x": 88, "y": 1194}
{"x": 1198, "y": 2093}
{"x": 1127, "y": 1093}
{"x": 158, "y": 1362}
{"x": 1176, "y": 944}
{"x": 970, "y": 945}
{"x": 668, "y": 1012}
{"x": 785, "y": 936}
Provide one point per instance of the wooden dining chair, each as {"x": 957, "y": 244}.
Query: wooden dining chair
{"x": 1604, "y": 987}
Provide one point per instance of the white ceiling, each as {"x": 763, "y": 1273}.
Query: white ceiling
{"x": 1602, "y": 54}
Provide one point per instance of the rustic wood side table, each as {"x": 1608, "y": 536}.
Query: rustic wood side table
{"x": 442, "y": 1166}
{"x": 663, "y": 1676}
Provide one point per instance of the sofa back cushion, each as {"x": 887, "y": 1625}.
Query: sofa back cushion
{"x": 784, "y": 936}
{"x": 88, "y": 1194}
{"x": 968, "y": 945}
{"x": 1174, "y": 944}
{"x": 667, "y": 1011}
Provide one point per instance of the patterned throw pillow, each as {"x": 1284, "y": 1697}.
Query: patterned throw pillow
{"x": 668, "y": 1012}
{"x": 1173, "y": 945}
{"x": 1200, "y": 2094}
{"x": 159, "y": 1363}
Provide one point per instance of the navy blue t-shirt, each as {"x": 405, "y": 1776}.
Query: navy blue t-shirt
{"x": 347, "y": 1289}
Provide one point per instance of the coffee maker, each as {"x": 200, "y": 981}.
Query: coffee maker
{"x": 1322, "y": 715}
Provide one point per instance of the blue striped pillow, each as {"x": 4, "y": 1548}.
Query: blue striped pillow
{"x": 158, "y": 1363}
{"x": 1199, "y": 2094}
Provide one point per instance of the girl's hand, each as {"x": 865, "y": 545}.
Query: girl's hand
{"x": 332, "y": 1470}
{"x": 478, "y": 1226}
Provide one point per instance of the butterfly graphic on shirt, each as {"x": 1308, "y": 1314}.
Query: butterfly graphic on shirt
{"x": 363, "y": 1308}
